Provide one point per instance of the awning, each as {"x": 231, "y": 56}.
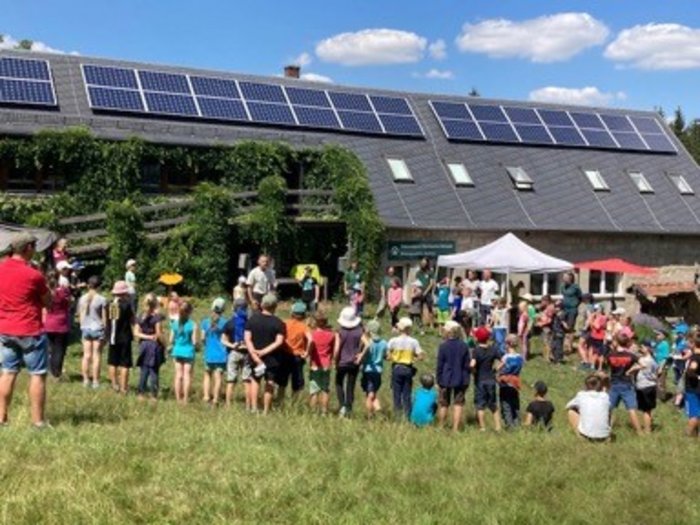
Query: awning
{"x": 45, "y": 238}
{"x": 615, "y": 266}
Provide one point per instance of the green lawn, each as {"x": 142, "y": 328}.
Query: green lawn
{"x": 117, "y": 460}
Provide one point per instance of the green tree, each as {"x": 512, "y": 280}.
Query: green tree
{"x": 126, "y": 238}
{"x": 267, "y": 223}
{"x": 25, "y": 44}
{"x": 678, "y": 124}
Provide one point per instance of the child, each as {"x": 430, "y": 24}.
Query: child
{"x": 523, "y": 327}
{"x": 692, "y": 389}
{"x": 320, "y": 357}
{"x": 357, "y": 298}
{"x": 183, "y": 340}
{"x": 424, "y": 403}
{"x": 589, "y": 411}
{"x": 173, "y": 306}
{"x": 559, "y": 329}
{"x": 238, "y": 362}
{"x": 149, "y": 332}
{"x": 646, "y": 385}
{"x": 509, "y": 370}
{"x": 483, "y": 359}
{"x": 443, "y": 302}
{"x": 468, "y": 309}
{"x": 122, "y": 321}
{"x": 541, "y": 410}
{"x": 597, "y": 323}
{"x": 404, "y": 351}
{"x": 499, "y": 323}
{"x": 372, "y": 360}
{"x": 240, "y": 291}
{"x": 92, "y": 309}
{"x": 456, "y": 297}
{"x": 394, "y": 298}
{"x": 585, "y": 310}
{"x": 415, "y": 311}
{"x": 623, "y": 363}
{"x": 215, "y": 358}
{"x": 297, "y": 339}
{"x": 452, "y": 374}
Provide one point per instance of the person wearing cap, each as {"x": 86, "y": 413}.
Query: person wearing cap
{"x": 238, "y": 362}
{"x": 296, "y": 345}
{"x": 23, "y": 295}
{"x": 240, "y": 290}
{"x": 122, "y": 321}
{"x": 347, "y": 352}
{"x": 130, "y": 279}
{"x": 404, "y": 351}
{"x": 57, "y": 324}
{"x": 310, "y": 290}
{"x": 484, "y": 357}
{"x": 92, "y": 312}
{"x": 372, "y": 359}
{"x": 215, "y": 356}
{"x": 149, "y": 333}
{"x": 264, "y": 339}
{"x": 261, "y": 281}
{"x": 452, "y": 374}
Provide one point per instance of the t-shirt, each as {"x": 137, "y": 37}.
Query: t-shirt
{"x": 121, "y": 317}
{"x": 350, "y": 343}
{"x": 57, "y": 318}
{"x": 489, "y": 290}
{"x": 182, "y": 339}
{"x": 598, "y": 325}
{"x": 321, "y": 353}
{"x": 500, "y": 318}
{"x": 646, "y": 376}
{"x": 261, "y": 281}
{"x": 21, "y": 291}
{"x": 424, "y": 407}
{"x": 264, "y": 329}
{"x": 235, "y": 327}
{"x": 352, "y": 277}
{"x": 571, "y": 297}
{"x": 620, "y": 362}
{"x": 443, "y": 298}
{"x": 453, "y": 364}
{"x": 308, "y": 289}
{"x": 130, "y": 278}
{"x": 512, "y": 364}
{"x": 594, "y": 413}
{"x": 425, "y": 277}
{"x": 239, "y": 292}
{"x": 404, "y": 349}
{"x": 692, "y": 377}
{"x": 296, "y": 339}
{"x": 557, "y": 325}
{"x": 485, "y": 357}
{"x": 92, "y": 313}
{"x": 542, "y": 411}
{"x": 214, "y": 350}
{"x": 387, "y": 280}
{"x": 374, "y": 358}
{"x": 662, "y": 351}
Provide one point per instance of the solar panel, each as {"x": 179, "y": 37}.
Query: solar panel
{"x": 171, "y": 104}
{"x": 263, "y": 92}
{"x": 164, "y": 82}
{"x": 222, "y": 108}
{"x": 271, "y": 113}
{"x": 461, "y": 130}
{"x": 587, "y": 120}
{"x": 553, "y": 117}
{"x": 26, "y": 92}
{"x": 498, "y": 132}
{"x": 450, "y": 110}
{"x": 350, "y": 101}
{"x": 533, "y": 134}
{"x": 308, "y": 97}
{"x": 24, "y": 68}
{"x": 658, "y": 142}
{"x": 598, "y": 138}
{"x": 629, "y": 140}
{"x": 360, "y": 121}
{"x": 646, "y": 125}
{"x": 566, "y": 136}
{"x": 617, "y": 123}
{"x": 488, "y": 113}
{"x": 400, "y": 124}
{"x": 215, "y": 87}
{"x": 110, "y": 77}
{"x": 316, "y": 117}
{"x": 108, "y": 98}
{"x": 522, "y": 115}
{"x": 393, "y": 105}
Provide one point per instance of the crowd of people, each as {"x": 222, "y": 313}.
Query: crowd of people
{"x": 255, "y": 348}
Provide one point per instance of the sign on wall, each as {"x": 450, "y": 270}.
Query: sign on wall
{"x": 412, "y": 250}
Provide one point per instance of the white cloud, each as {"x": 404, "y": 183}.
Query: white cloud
{"x": 440, "y": 74}
{"x": 657, "y": 46}
{"x": 372, "y": 47}
{"x": 551, "y": 38}
{"x": 315, "y": 77}
{"x": 586, "y": 96}
{"x": 438, "y": 49}
{"x": 302, "y": 60}
{"x": 10, "y": 42}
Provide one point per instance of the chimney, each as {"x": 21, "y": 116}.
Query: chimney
{"x": 292, "y": 71}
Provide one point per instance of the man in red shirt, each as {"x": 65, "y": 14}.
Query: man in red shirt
{"x": 23, "y": 294}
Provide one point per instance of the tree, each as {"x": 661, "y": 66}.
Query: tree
{"x": 25, "y": 44}
{"x": 473, "y": 92}
{"x": 678, "y": 124}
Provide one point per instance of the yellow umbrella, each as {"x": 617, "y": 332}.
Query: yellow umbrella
{"x": 170, "y": 279}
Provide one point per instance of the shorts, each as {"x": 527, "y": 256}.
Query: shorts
{"x": 692, "y": 405}
{"x": 319, "y": 381}
{"x": 93, "y": 335}
{"x": 570, "y": 319}
{"x": 212, "y": 367}
{"x": 184, "y": 360}
{"x": 119, "y": 355}
{"x": 238, "y": 365}
{"x": 452, "y": 394}
{"x": 24, "y": 352}
{"x": 646, "y": 399}
{"x": 291, "y": 367}
{"x": 485, "y": 397}
{"x": 623, "y": 392}
{"x": 371, "y": 382}
{"x": 597, "y": 346}
{"x": 427, "y": 302}
{"x": 443, "y": 316}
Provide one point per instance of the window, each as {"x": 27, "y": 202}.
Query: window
{"x": 150, "y": 177}
{"x": 520, "y": 178}
{"x": 596, "y": 180}
{"x": 544, "y": 284}
{"x": 682, "y": 184}
{"x": 603, "y": 282}
{"x": 399, "y": 170}
{"x": 641, "y": 182}
{"x": 460, "y": 175}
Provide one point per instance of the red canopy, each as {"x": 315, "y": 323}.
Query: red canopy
{"x": 615, "y": 266}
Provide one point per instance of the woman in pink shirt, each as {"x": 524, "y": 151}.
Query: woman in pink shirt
{"x": 57, "y": 324}
{"x": 394, "y": 298}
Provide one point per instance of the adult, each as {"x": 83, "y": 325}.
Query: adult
{"x": 310, "y": 290}
{"x": 353, "y": 278}
{"x": 60, "y": 251}
{"x": 23, "y": 294}
{"x": 92, "y": 311}
{"x": 489, "y": 290}
{"x": 57, "y": 321}
{"x": 122, "y": 325}
{"x": 264, "y": 337}
{"x": 261, "y": 281}
{"x": 130, "y": 279}
{"x": 426, "y": 277}
{"x": 384, "y": 287}
{"x": 571, "y": 296}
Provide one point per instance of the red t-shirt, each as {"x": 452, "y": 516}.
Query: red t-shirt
{"x": 21, "y": 291}
{"x": 322, "y": 348}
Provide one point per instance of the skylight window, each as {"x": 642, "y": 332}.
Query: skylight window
{"x": 399, "y": 170}
{"x": 641, "y": 182}
{"x": 682, "y": 184}
{"x": 596, "y": 180}
{"x": 520, "y": 178}
{"x": 460, "y": 175}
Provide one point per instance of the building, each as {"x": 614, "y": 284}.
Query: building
{"x": 448, "y": 173}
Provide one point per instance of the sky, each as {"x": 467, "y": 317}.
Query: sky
{"x": 621, "y": 53}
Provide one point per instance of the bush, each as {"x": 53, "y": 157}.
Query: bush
{"x": 126, "y": 239}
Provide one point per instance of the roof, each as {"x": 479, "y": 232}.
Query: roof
{"x": 562, "y": 200}
{"x": 664, "y": 289}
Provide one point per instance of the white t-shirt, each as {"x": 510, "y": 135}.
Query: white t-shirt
{"x": 594, "y": 413}
{"x": 261, "y": 282}
{"x": 472, "y": 285}
{"x": 130, "y": 278}
{"x": 646, "y": 377}
{"x": 489, "y": 289}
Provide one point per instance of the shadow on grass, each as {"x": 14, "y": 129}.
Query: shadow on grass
{"x": 83, "y": 417}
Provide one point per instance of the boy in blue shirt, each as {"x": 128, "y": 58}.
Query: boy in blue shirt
{"x": 443, "y": 302}
{"x": 424, "y": 402}
{"x": 372, "y": 359}
{"x": 509, "y": 382}
{"x": 238, "y": 363}
{"x": 214, "y": 351}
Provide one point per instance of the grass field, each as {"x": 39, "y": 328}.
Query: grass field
{"x": 111, "y": 459}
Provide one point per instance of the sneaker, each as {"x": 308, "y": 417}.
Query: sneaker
{"x": 95, "y": 385}
{"x": 343, "y": 412}
{"x": 42, "y": 425}
{"x": 86, "y": 383}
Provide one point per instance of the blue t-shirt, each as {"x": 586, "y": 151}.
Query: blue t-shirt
{"x": 214, "y": 350}
{"x": 424, "y": 407}
{"x": 512, "y": 365}
{"x": 235, "y": 327}
{"x": 182, "y": 340}
{"x": 662, "y": 351}
{"x": 443, "y": 298}
{"x": 374, "y": 358}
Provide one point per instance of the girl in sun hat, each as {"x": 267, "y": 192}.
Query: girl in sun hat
{"x": 122, "y": 322}
{"x": 346, "y": 354}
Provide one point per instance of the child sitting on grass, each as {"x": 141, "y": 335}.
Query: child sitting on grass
{"x": 320, "y": 358}
{"x": 424, "y": 402}
{"x": 509, "y": 382}
{"x": 372, "y": 360}
{"x": 215, "y": 357}
{"x": 483, "y": 359}
{"x": 541, "y": 409}
{"x": 589, "y": 411}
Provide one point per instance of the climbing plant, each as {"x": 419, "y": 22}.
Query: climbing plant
{"x": 126, "y": 238}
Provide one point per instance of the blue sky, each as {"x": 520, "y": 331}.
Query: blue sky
{"x": 636, "y": 54}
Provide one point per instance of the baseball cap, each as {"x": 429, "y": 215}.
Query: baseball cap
{"x": 299, "y": 308}
{"x": 404, "y": 323}
{"x": 482, "y": 334}
{"x": 218, "y": 305}
{"x": 242, "y": 279}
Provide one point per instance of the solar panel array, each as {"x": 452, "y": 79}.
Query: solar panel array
{"x": 517, "y": 125}
{"x": 26, "y": 82}
{"x": 152, "y": 92}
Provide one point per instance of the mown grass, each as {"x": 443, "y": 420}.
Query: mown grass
{"x": 117, "y": 460}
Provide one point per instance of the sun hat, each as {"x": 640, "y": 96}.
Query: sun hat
{"x": 120, "y": 288}
{"x": 482, "y": 334}
{"x": 242, "y": 279}
{"x": 527, "y": 297}
{"x": 348, "y": 318}
{"x": 374, "y": 328}
{"x": 218, "y": 305}
{"x": 63, "y": 265}
{"x": 21, "y": 240}
{"x": 299, "y": 308}
{"x": 404, "y": 323}
{"x": 130, "y": 262}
